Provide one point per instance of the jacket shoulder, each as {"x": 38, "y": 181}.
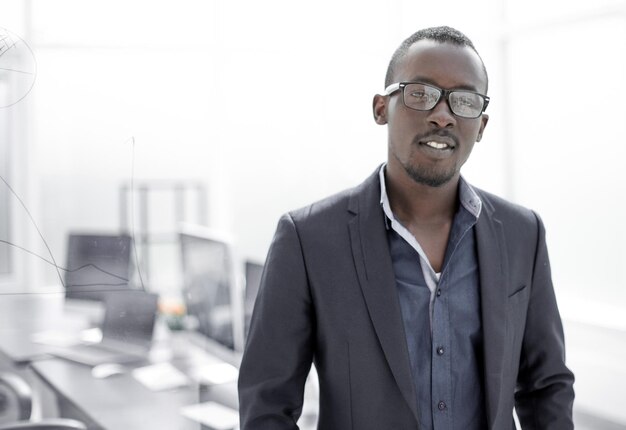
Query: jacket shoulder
{"x": 328, "y": 207}
{"x": 336, "y": 208}
{"x": 511, "y": 214}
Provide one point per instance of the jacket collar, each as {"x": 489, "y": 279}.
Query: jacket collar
{"x": 368, "y": 237}
{"x": 492, "y": 265}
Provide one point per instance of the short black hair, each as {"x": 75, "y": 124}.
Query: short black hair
{"x": 443, "y": 34}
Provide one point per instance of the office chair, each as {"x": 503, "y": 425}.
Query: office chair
{"x": 16, "y": 404}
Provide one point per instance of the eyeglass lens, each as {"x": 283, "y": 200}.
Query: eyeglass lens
{"x": 424, "y": 97}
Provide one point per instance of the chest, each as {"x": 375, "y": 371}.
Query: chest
{"x": 434, "y": 240}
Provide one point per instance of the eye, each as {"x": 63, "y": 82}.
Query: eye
{"x": 419, "y": 95}
{"x": 466, "y": 102}
{"x": 424, "y": 97}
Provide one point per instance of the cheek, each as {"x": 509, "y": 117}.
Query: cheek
{"x": 397, "y": 134}
{"x": 465, "y": 155}
{"x": 470, "y": 133}
{"x": 404, "y": 125}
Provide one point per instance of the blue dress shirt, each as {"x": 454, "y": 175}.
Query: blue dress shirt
{"x": 441, "y": 315}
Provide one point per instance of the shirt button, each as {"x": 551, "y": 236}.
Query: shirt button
{"x": 440, "y": 350}
{"x": 441, "y": 406}
{"x": 438, "y": 292}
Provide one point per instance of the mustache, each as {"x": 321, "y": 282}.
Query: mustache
{"x": 441, "y": 133}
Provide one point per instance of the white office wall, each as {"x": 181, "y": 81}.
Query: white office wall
{"x": 14, "y": 136}
{"x": 179, "y": 79}
{"x": 569, "y": 159}
{"x": 269, "y": 103}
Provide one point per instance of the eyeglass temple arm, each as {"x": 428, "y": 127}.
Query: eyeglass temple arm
{"x": 486, "y": 103}
{"x": 392, "y": 88}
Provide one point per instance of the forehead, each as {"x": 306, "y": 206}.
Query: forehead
{"x": 443, "y": 64}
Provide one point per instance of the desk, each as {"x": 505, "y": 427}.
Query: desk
{"x": 117, "y": 402}
{"x": 120, "y": 402}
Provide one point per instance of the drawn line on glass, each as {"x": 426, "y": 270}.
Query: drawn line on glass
{"x": 32, "y": 220}
{"x": 121, "y": 278}
{"x": 7, "y": 47}
{"x": 10, "y": 41}
{"x": 41, "y": 293}
{"x": 132, "y": 210}
{"x": 54, "y": 263}
{"x": 15, "y": 70}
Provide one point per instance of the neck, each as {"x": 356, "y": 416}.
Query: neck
{"x": 412, "y": 202}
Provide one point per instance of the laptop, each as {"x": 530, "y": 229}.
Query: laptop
{"x": 127, "y": 331}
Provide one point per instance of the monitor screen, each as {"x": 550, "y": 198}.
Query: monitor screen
{"x": 96, "y": 265}
{"x": 130, "y": 316}
{"x": 209, "y": 285}
{"x": 253, "y": 272}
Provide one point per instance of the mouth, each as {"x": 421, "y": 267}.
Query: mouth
{"x": 437, "y": 145}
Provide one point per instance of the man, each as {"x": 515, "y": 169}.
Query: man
{"x": 424, "y": 303}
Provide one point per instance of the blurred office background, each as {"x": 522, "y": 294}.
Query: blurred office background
{"x": 252, "y": 108}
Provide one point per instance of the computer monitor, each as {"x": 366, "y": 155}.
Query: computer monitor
{"x": 253, "y": 272}
{"x": 210, "y": 286}
{"x": 97, "y": 264}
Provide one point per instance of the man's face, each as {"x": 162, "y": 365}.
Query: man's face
{"x": 415, "y": 138}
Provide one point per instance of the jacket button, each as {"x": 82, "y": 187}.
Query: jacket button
{"x": 440, "y": 350}
{"x": 438, "y": 292}
{"x": 441, "y": 406}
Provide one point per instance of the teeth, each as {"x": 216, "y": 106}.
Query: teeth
{"x": 437, "y": 145}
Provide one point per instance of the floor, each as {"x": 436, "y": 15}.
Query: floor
{"x": 597, "y": 356}
{"x": 583, "y": 421}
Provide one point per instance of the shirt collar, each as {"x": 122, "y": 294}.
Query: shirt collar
{"x": 467, "y": 196}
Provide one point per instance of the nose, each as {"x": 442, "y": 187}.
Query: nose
{"x": 441, "y": 116}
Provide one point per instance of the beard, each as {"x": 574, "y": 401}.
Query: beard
{"x": 431, "y": 177}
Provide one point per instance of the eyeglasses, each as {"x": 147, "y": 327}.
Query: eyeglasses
{"x": 424, "y": 97}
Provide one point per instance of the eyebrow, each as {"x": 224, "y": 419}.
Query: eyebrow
{"x": 431, "y": 82}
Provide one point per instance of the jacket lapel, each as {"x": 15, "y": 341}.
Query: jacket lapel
{"x": 492, "y": 267}
{"x": 374, "y": 267}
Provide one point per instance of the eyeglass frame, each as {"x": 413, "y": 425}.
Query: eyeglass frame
{"x": 443, "y": 93}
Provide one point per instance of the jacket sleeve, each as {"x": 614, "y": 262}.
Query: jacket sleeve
{"x": 279, "y": 348}
{"x": 545, "y": 394}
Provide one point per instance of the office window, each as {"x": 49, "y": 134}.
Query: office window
{"x": 18, "y": 71}
{"x": 5, "y": 208}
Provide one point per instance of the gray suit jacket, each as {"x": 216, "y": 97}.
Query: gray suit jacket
{"x": 328, "y": 295}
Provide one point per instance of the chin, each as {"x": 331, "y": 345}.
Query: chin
{"x": 429, "y": 178}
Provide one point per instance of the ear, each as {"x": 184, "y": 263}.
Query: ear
{"x": 379, "y": 109}
{"x": 484, "y": 119}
